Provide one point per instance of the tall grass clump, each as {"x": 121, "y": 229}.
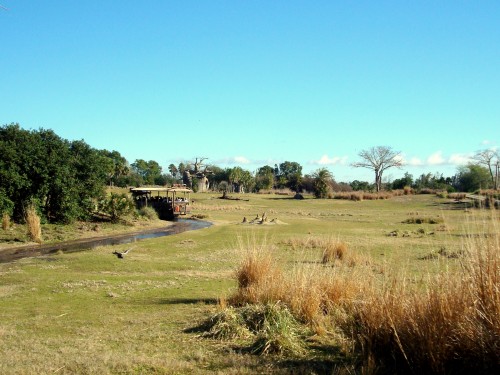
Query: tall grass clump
{"x": 34, "y": 228}
{"x": 5, "y": 221}
{"x": 450, "y": 326}
{"x": 309, "y": 290}
{"x": 258, "y": 275}
{"x": 334, "y": 250}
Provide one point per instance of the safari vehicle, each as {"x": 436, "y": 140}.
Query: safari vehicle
{"x": 168, "y": 202}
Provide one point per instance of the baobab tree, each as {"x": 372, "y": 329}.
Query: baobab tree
{"x": 379, "y": 159}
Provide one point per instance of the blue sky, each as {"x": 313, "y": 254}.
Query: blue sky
{"x": 251, "y": 83}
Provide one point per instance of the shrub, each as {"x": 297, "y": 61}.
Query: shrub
{"x": 148, "y": 213}
{"x": 117, "y": 206}
{"x": 33, "y": 224}
{"x": 280, "y": 332}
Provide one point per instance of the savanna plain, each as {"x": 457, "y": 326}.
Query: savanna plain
{"x": 408, "y": 284}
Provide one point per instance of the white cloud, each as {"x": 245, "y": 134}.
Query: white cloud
{"x": 459, "y": 159}
{"x": 326, "y": 160}
{"x": 236, "y": 160}
{"x": 436, "y": 158}
{"x": 241, "y": 160}
{"x": 415, "y": 162}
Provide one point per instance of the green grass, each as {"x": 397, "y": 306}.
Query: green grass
{"x": 92, "y": 313}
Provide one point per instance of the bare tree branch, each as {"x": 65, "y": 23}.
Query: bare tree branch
{"x": 379, "y": 159}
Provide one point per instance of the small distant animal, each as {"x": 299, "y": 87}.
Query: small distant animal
{"x": 121, "y": 255}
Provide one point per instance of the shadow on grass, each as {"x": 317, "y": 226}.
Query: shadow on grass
{"x": 186, "y": 301}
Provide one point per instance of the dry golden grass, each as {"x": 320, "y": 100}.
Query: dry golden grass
{"x": 452, "y": 325}
{"x": 217, "y": 207}
{"x": 442, "y": 323}
{"x": 310, "y": 290}
{"x": 334, "y": 250}
{"x": 358, "y": 196}
{"x": 33, "y": 224}
{"x": 5, "y": 221}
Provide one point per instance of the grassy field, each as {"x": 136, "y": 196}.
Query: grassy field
{"x": 91, "y": 313}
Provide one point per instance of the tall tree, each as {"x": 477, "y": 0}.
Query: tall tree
{"x": 150, "y": 171}
{"x": 490, "y": 159}
{"x": 173, "y": 170}
{"x": 379, "y": 159}
{"x": 289, "y": 174}
{"x": 118, "y": 166}
{"x": 264, "y": 178}
{"x": 63, "y": 179}
{"x": 472, "y": 177}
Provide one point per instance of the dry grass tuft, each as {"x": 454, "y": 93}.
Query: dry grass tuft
{"x": 309, "y": 290}
{"x": 333, "y": 251}
{"x": 5, "y": 221}
{"x": 33, "y": 224}
{"x": 259, "y": 277}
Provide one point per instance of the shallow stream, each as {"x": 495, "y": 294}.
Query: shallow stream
{"x": 179, "y": 226}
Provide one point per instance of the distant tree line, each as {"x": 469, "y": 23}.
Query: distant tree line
{"x": 66, "y": 180}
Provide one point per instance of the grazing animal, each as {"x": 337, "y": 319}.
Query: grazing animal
{"x": 121, "y": 255}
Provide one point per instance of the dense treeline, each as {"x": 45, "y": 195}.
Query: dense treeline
{"x": 62, "y": 179}
{"x": 66, "y": 180}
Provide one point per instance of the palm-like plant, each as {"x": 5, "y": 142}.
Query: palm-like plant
{"x": 322, "y": 182}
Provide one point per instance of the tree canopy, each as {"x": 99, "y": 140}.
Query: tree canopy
{"x": 63, "y": 179}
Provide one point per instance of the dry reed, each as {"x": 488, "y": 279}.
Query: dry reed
{"x": 5, "y": 221}
{"x": 33, "y": 224}
{"x": 334, "y": 250}
{"x": 452, "y": 326}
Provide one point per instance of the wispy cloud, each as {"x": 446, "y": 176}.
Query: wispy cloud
{"x": 234, "y": 160}
{"x": 415, "y": 162}
{"x": 459, "y": 159}
{"x": 326, "y": 160}
{"x": 436, "y": 159}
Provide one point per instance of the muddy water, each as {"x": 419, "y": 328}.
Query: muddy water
{"x": 179, "y": 226}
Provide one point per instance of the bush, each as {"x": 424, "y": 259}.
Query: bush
{"x": 117, "y": 206}
{"x": 148, "y": 213}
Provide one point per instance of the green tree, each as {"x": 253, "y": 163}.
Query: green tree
{"x": 173, "y": 170}
{"x": 247, "y": 181}
{"x": 217, "y": 176}
{"x": 150, "y": 171}
{"x": 322, "y": 182}
{"x": 400, "y": 183}
{"x": 117, "y": 166}
{"x": 264, "y": 178}
{"x": 235, "y": 174}
{"x": 63, "y": 179}
{"x": 289, "y": 174}
{"x": 472, "y": 177}
{"x": 357, "y": 185}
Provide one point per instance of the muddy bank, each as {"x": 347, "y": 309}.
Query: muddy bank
{"x": 183, "y": 225}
